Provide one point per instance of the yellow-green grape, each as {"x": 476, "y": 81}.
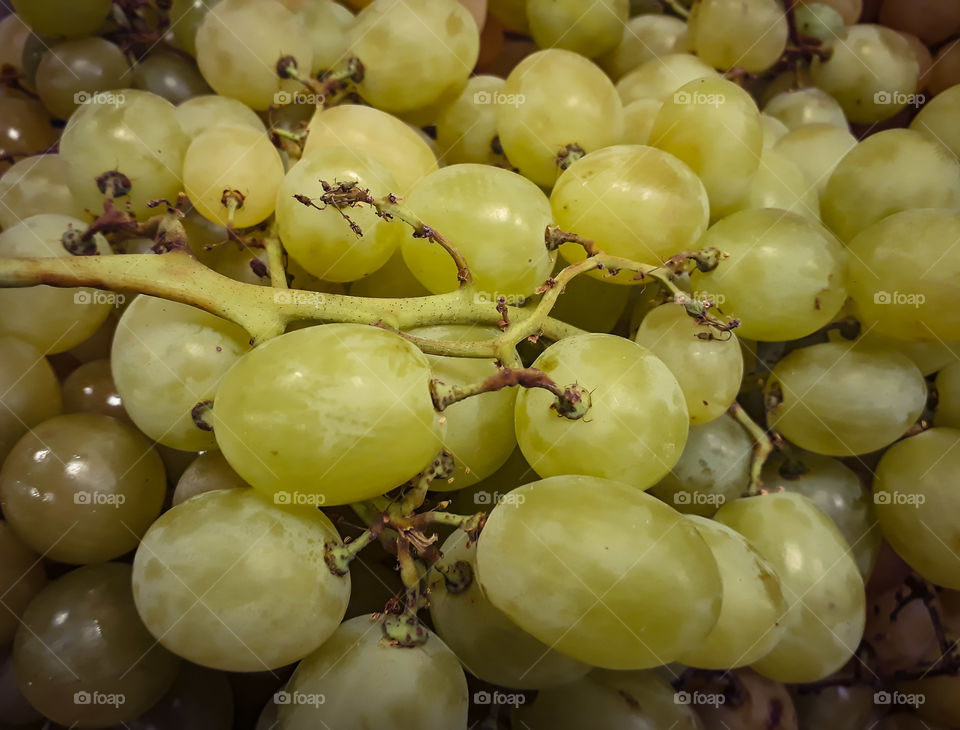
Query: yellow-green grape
{"x": 779, "y": 183}
{"x": 467, "y": 204}
{"x": 588, "y": 303}
{"x": 69, "y": 18}
{"x": 131, "y": 131}
{"x": 659, "y": 77}
{"x": 239, "y": 45}
{"x": 948, "y": 392}
{"x": 223, "y": 161}
{"x": 51, "y": 319}
{"x": 29, "y": 391}
{"x": 326, "y": 24}
{"x": 632, "y": 201}
{"x": 207, "y": 473}
{"x": 888, "y": 172}
{"x": 583, "y": 537}
{"x": 332, "y": 686}
{"x": 76, "y": 70}
{"x": 836, "y": 490}
{"x": 824, "y": 590}
{"x": 841, "y": 400}
{"x": 167, "y": 359}
{"x": 873, "y": 73}
{"x": 479, "y": 429}
{"x": 82, "y": 656}
{"x": 606, "y": 700}
{"x": 638, "y": 118}
{"x": 820, "y": 21}
{"x": 587, "y": 27}
{"x": 334, "y": 413}
{"x": 714, "y": 126}
{"x": 773, "y": 131}
{"x": 21, "y": 578}
{"x": 645, "y": 37}
{"x": 785, "y": 276}
{"x": 168, "y": 74}
{"x": 511, "y": 13}
{"x": 185, "y": 18}
{"x": 234, "y": 581}
{"x": 467, "y": 128}
{"x": 374, "y": 134}
{"x": 751, "y": 621}
{"x": 937, "y": 119}
{"x": 906, "y": 292}
{"x": 713, "y": 469}
{"x": 36, "y": 185}
{"x": 748, "y": 34}
{"x": 817, "y": 150}
{"x": 637, "y": 424}
{"x": 555, "y": 99}
{"x": 803, "y": 107}
{"x": 413, "y": 51}
{"x": 707, "y": 363}
{"x": 392, "y": 280}
{"x": 488, "y": 644}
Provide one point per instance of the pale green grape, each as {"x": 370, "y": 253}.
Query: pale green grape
{"x": 376, "y": 135}
{"x": 207, "y": 473}
{"x": 392, "y": 280}
{"x": 198, "y": 114}
{"x": 168, "y": 74}
{"x": 817, "y": 150}
{"x": 778, "y": 183}
{"x": 820, "y": 580}
{"x": 79, "y": 68}
{"x": 421, "y": 687}
{"x": 36, "y": 185}
{"x": 336, "y": 413}
{"x": 820, "y": 21}
{"x": 21, "y": 578}
{"x": 637, "y": 424}
{"x": 554, "y": 99}
{"x": 239, "y": 45}
{"x": 849, "y": 10}
{"x": 906, "y": 292}
{"x": 588, "y": 303}
{"x": 496, "y": 218}
{"x": 587, "y": 27}
{"x": 803, "y": 107}
{"x": 25, "y": 129}
{"x": 873, "y": 73}
{"x": 166, "y": 359}
{"x": 631, "y": 201}
{"x": 888, "y": 172}
{"x": 784, "y": 278}
{"x": 185, "y": 19}
{"x": 132, "y": 131}
{"x": 707, "y": 363}
{"x": 326, "y": 24}
{"x": 488, "y": 644}
{"x": 638, "y": 118}
{"x": 838, "y": 399}
{"x": 714, "y": 126}
{"x": 659, "y": 77}
{"x": 234, "y": 581}
{"x": 915, "y": 502}
{"x": 70, "y": 18}
{"x": 749, "y": 34}
{"x": 51, "y": 319}
{"x": 773, "y": 131}
{"x": 581, "y": 538}
{"x": 467, "y": 128}
{"x": 645, "y": 37}
{"x": 413, "y": 51}
{"x": 937, "y": 119}
{"x": 29, "y": 392}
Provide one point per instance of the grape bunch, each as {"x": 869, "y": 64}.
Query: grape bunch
{"x": 504, "y": 364}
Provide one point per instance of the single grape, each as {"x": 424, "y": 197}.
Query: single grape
{"x": 29, "y": 392}
{"x": 25, "y": 130}
{"x": 33, "y": 186}
{"x": 806, "y": 106}
{"x": 773, "y": 131}
{"x": 923, "y": 57}
{"x": 21, "y": 578}
{"x": 169, "y": 75}
{"x": 778, "y": 183}
{"x": 207, "y": 473}
{"x": 185, "y": 18}
{"x": 467, "y": 128}
{"x": 327, "y": 26}
{"x": 936, "y": 120}
{"x": 582, "y": 26}
{"x": 822, "y": 22}
{"x": 77, "y": 69}
{"x": 749, "y": 34}
{"x": 816, "y": 149}
{"x": 849, "y": 10}
{"x": 70, "y": 18}
{"x": 659, "y": 77}
{"x": 645, "y": 37}
{"x": 201, "y": 112}
{"x": 638, "y": 118}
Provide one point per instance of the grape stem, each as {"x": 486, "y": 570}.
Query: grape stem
{"x": 676, "y": 7}
{"x": 572, "y": 402}
{"x": 762, "y": 447}
{"x": 275, "y": 257}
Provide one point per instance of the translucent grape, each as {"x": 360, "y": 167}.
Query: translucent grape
{"x": 185, "y": 18}
{"x": 207, "y": 473}
{"x": 24, "y": 129}
{"x": 326, "y": 24}
{"x": 77, "y": 69}
{"x": 659, "y": 77}
{"x": 35, "y": 185}
{"x": 467, "y": 128}
{"x": 198, "y": 114}
{"x": 29, "y": 392}
{"x": 70, "y": 18}
{"x": 90, "y": 389}
{"x": 749, "y": 34}
{"x": 170, "y": 75}
{"x": 779, "y": 183}
{"x": 645, "y": 37}
{"x": 638, "y": 118}
{"x": 849, "y": 10}
{"x": 817, "y": 150}
{"x": 936, "y": 120}
{"x": 773, "y": 131}
{"x": 582, "y": 26}
{"x": 806, "y": 106}
{"x": 21, "y": 578}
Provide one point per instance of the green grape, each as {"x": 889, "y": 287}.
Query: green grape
{"x": 748, "y": 34}
{"x": 849, "y": 10}
{"x": 374, "y": 134}
{"x": 889, "y": 172}
{"x": 198, "y": 700}
{"x": 915, "y": 498}
{"x": 638, "y": 118}
{"x": 779, "y": 183}
{"x": 714, "y": 126}
{"x": 21, "y": 578}
{"x": 488, "y": 644}
{"x": 207, "y": 473}
{"x": 82, "y": 488}
{"x": 584, "y": 539}
{"x": 77, "y": 69}
{"x": 837, "y": 399}
{"x": 645, "y": 37}
{"x": 368, "y": 426}
{"x": 637, "y": 424}
{"x": 421, "y": 687}
{"x": 467, "y": 203}
{"x": 804, "y": 107}
{"x": 198, "y": 114}
{"x": 70, "y": 18}
{"x": 773, "y": 131}
{"x": 327, "y": 25}
{"x": 820, "y": 580}
{"x": 836, "y": 490}
{"x": 907, "y": 292}
{"x": 822, "y": 22}
{"x": 185, "y": 18}
{"x": 33, "y": 186}
{"x": 51, "y": 319}
{"x": 873, "y": 73}
{"x": 588, "y": 303}
{"x": 179, "y": 351}
{"x": 659, "y": 77}
{"x": 392, "y": 280}
{"x": 320, "y": 240}
{"x": 25, "y": 129}
{"x": 930, "y": 357}
{"x": 413, "y": 51}
{"x": 582, "y": 26}
{"x": 707, "y": 364}
{"x": 170, "y": 75}
{"x": 785, "y": 276}
{"x": 714, "y": 468}
{"x": 90, "y": 389}
{"x": 751, "y": 621}
{"x": 817, "y": 150}
{"x": 132, "y": 131}
{"x": 937, "y": 119}
{"x": 234, "y": 581}
{"x": 535, "y": 121}
{"x": 467, "y": 128}
{"x": 632, "y": 201}
{"x": 82, "y": 656}
{"x": 29, "y": 392}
